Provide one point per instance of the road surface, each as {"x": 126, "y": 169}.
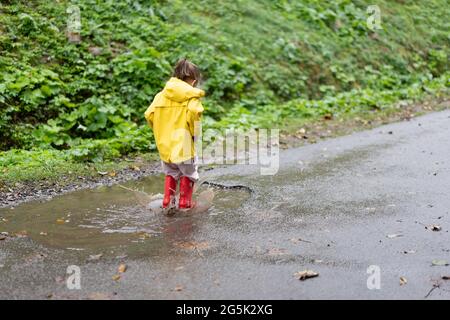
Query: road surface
{"x": 341, "y": 208}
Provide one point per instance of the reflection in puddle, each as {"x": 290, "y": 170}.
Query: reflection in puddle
{"x": 111, "y": 217}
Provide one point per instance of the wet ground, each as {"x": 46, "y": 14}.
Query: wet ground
{"x": 335, "y": 207}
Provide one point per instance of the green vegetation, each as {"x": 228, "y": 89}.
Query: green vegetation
{"x": 264, "y": 63}
{"x": 59, "y": 166}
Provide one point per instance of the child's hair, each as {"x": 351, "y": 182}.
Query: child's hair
{"x": 186, "y": 71}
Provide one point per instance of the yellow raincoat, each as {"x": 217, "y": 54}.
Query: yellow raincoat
{"x": 174, "y": 116}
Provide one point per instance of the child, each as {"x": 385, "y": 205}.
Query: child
{"x": 174, "y": 115}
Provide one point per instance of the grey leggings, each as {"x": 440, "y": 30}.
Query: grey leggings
{"x": 177, "y": 170}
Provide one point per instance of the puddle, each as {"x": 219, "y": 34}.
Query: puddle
{"x": 112, "y": 217}
{"x": 117, "y": 219}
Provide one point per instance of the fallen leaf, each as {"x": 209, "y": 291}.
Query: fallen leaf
{"x": 144, "y": 235}
{"x": 179, "y": 288}
{"x": 116, "y": 277}
{"x": 403, "y": 281}
{"x": 112, "y": 174}
{"x": 22, "y": 234}
{"x": 102, "y": 173}
{"x": 306, "y": 274}
{"x": 43, "y": 233}
{"x": 95, "y": 257}
{"x": 439, "y": 263}
{"x": 136, "y": 168}
{"x": 434, "y": 227}
{"x": 392, "y": 236}
{"x": 60, "y": 221}
{"x": 122, "y": 268}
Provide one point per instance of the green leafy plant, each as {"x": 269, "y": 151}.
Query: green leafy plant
{"x": 263, "y": 62}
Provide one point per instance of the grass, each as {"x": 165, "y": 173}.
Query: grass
{"x": 54, "y": 167}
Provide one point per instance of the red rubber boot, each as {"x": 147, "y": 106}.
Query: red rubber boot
{"x": 170, "y": 187}
{"x": 186, "y": 190}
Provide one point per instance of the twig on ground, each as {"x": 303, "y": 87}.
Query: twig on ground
{"x": 436, "y": 285}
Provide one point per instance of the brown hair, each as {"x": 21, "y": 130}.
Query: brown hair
{"x": 186, "y": 71}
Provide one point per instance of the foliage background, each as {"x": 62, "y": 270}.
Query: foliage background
{"x": 264, "y": 63}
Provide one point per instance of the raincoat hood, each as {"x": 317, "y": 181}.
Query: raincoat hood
{"x": 179, "y": 91}
{"x": 174, "y": 116}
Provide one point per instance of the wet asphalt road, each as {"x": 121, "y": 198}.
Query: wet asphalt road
{"x": 354, "y": 202}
